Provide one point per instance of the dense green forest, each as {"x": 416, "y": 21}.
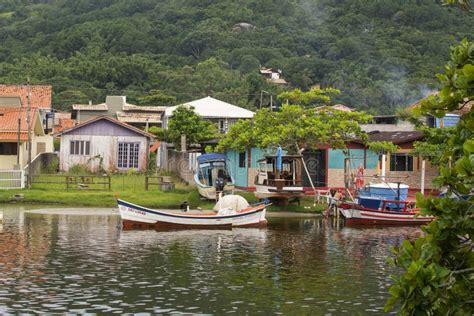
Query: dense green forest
{"x": 381, "y": 54}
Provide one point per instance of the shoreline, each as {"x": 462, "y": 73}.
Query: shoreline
{"x": 107, "y": 211}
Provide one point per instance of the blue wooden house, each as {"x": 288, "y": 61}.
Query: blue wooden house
{"x": 325, "y": 165}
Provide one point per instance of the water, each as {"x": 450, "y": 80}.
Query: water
{"x": 86, "y": 264}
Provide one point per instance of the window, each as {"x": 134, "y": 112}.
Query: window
{"x": 80, "y": 147}
{"x": 223, "y": 126}
{"x": 242, "y": 160}
{"x": 128, "y": 155}
{"x": 401, "y": 162}
{"x": 8, "y": 149}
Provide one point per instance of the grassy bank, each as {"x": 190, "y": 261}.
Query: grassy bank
{"x": 130, "y": 188}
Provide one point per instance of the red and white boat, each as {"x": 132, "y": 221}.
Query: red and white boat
{"x": 357, "y": 214}
{"x": 230, "y": 212}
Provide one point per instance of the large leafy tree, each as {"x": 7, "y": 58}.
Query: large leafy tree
{"x": 185, "y": 121}
{"x": 438, "y": 268}
{"x": 295, "y": 126}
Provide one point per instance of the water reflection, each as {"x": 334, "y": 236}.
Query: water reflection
{"x": 60, "y": 263}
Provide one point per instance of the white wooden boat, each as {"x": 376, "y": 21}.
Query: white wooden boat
{"x": 357, "y": 214}
{"x": 135, "y": 216}
{"x": 271, "y": 183}
{"x": 212, "y": 168}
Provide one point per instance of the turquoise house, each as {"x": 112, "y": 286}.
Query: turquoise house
{"x": 325, "y": 165}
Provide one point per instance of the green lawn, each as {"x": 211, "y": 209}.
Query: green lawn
{"x": 130, "y": 188}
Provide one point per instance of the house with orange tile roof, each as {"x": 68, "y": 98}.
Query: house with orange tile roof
{"x": 41, "y": 95}
{"x": 14, "y": 137}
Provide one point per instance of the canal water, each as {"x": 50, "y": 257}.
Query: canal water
{"x": 87, "y": 264}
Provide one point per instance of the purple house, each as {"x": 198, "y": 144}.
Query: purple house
{"x": 104, "y": 144}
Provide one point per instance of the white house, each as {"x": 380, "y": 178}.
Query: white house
{"x": 104, "y": 144}
{"x": 222, "y": 113}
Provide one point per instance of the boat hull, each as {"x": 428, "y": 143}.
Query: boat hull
{"x": 356, "y": 215}
{"x": 267, "y": 192}
{"x": 135, "y": 216}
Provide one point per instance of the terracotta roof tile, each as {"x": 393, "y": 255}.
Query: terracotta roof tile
{"x": 41, "y": 95}
{"x": 64, "y": 123}
{"x": 9, "y": 123}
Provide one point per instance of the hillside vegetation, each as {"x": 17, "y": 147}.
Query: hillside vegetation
{"x": 381, "y": 54}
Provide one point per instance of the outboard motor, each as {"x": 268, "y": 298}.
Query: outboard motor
{"x": 219, "y": 184}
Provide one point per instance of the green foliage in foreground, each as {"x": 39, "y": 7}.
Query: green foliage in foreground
{"x": 438, "y": 277}
{"x": 380, "y": 54}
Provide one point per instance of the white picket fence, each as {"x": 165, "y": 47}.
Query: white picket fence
{"x": 12, "y": 179}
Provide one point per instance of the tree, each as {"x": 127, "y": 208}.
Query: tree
{"x": 313, "y": 97}
{"x": 185, "y": 121}
{"x": 295, "y": 127}
{"x": 160, "y": 133}
{"x": 157, "y": 97}
{"x": 438, "y": 268}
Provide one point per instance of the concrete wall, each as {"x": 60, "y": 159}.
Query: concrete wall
{"x": 41, "y": 161}
{"x": 179, "y": 162}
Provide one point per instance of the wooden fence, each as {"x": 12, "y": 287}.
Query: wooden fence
{"x": 73, "y": 182}
{"x": 164, "y": 183}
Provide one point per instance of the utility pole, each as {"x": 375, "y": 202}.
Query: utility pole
{"x": 28, "y": 123}
{"x": 18, "y": 143}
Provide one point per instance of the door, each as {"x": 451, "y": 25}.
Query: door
{"x": 316, "y": 163}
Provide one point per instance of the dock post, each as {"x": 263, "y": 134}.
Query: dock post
{"x": 423, "y": 170}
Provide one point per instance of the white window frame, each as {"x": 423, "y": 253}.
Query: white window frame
{"x": 80, "y": 147}
{"x": 128, "y": 155}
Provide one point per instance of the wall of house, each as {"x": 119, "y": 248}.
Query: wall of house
{"x": 239, "y": 174}
{"x": 101, "y": 146}
{"x": 244, "y": 176}
{"x": 413, "y": 178}
{"x": 7, "y": 162}
{"x": 336, "y": 157}
{"x": 47, "y": 140}
{"x": 85, "y": 115}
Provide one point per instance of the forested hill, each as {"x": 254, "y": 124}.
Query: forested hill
{"x": 380, "y": 53}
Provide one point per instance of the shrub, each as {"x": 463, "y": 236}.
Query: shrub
{"x": 79, "y": 169}
{"x": 52, "y": 167}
